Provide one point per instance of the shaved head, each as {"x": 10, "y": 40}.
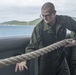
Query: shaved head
{"x": 48, "y": 8}
{"x": 48, "y": 13}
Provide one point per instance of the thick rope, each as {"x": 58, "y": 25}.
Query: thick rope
{"x": 34, "y": 54}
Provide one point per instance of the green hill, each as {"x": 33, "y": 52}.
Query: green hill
{"x": 33, "y": 22}
{"x": 14, "y": 22}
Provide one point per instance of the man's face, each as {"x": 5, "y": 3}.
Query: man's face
{"x": 49, "y": 17}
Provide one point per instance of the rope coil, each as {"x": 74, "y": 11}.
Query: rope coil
{"x": 34, "y": 54}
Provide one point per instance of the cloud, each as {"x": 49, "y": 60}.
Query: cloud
{"x": 20, "y": 3}
{"x": 30, "y": 9}
{"x": 19, "y": 13}
{"x": 27, "y": 3}
{"x": 6, "y": 2}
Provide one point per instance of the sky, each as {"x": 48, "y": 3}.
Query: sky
{"x": 27, "y": 10}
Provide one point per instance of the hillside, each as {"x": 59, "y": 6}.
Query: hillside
{"x": 33, "y": 22}
{"x": 14, "y": 22}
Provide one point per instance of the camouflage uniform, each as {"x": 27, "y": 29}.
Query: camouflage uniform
{"x": 53, "y": 63}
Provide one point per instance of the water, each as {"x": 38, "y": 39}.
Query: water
{"x": 15, "y": 30}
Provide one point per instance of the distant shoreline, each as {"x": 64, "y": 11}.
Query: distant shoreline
{"x": 14, "y": 25}
{"x": 14, "y": 22}
{"x": 24, "y": 23}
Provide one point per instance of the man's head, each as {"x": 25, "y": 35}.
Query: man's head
{"x": 48, "y": 13}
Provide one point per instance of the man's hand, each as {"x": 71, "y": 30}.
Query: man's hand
{"x": 20, "y": 66}
{"x": 70, "y": 43}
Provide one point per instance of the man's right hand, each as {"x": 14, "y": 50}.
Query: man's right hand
{"x": 20, "y": 66}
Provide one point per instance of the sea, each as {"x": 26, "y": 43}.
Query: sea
{"x": 15, "y": 30}
{"x": 18, "y": 30}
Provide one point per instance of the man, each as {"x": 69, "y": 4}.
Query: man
{"x": 50, "y": 29}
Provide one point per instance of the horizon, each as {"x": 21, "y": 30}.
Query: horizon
{"x": 29, "y": 10}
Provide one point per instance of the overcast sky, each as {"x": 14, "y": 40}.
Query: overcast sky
{"x": 26, "y": 10}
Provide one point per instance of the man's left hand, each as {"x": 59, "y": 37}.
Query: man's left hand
{"x": 70, "y": 43}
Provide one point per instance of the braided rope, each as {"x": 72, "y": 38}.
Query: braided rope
{"x": 34, "y": 54}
